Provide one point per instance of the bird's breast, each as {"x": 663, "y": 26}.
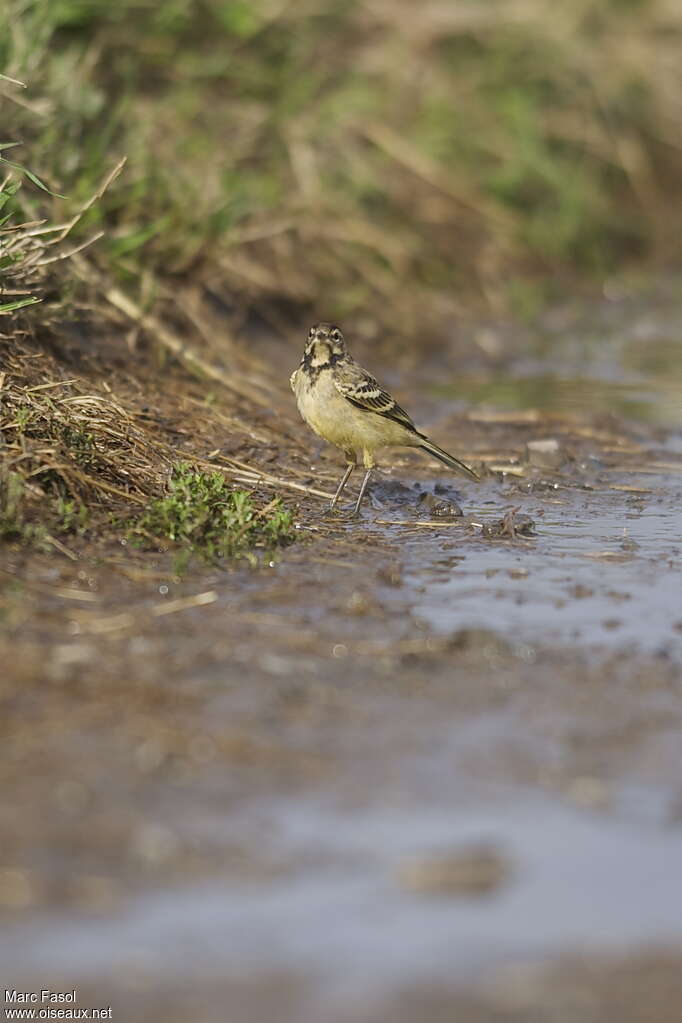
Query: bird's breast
{"x": 333, "y": 417}
{"x": 323, "y": 408}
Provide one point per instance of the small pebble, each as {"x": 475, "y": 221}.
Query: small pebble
{"x": 545, "y": 453}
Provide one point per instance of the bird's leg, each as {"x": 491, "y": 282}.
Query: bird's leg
{"x": 369, "y": 463}
{"x": 344, "y": 480}
{"x": 365, "y": 481}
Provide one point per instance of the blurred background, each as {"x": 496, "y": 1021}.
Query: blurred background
{"x": 379, "y": 156}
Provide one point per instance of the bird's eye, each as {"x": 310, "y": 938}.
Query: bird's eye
{"x": 336, "y": 335}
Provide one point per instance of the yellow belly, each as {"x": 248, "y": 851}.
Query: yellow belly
{"x": 337, "y": 421}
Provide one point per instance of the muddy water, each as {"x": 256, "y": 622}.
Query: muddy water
{"x": 410, "y": 757}
{"x": 598, "y": 576}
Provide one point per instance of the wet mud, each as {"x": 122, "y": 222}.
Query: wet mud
{"x": 422, "y": 764}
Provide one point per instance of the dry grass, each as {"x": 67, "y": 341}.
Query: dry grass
{"x": 69, "y": 451}
{"x": 31, "y": 249}
{"x": 83, "y": 457}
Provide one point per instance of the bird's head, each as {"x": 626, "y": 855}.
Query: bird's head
{"x": 325, "y": 346}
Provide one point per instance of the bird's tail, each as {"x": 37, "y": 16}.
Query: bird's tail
{"x": 450, "y": 460}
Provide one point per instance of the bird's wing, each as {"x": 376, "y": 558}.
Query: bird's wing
{"x": 363, "y": 391}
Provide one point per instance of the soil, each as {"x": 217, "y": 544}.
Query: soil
{"x": 421, "y": 764}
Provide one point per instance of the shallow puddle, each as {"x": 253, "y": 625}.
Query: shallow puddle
{"x": 603, "y": 572}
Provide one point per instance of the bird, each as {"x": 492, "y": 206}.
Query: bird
{"x": 346, "y": 406}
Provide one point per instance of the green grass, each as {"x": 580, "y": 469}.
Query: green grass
{"x": 21, "y": 522}
{"x": 202, "y": 514}
{"x": 71, "y": 516}
{"x": 331, "y": 153}
{"x": 11, "y": 494}
{"x": 14, "y": 525}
